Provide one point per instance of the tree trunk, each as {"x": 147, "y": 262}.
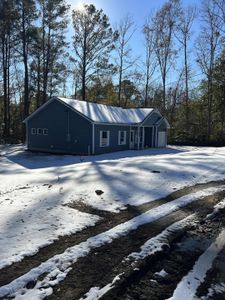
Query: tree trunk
{"x": 186, "y": 89}
{"x": 209, "y": 123}
{"x": 25, "y": 62}
{"x": 83, "y": 92}
{"x": 120, "y": 87}
{"x": 83, "y": 84}
{"x": 6, "y": 99}
{"x": 38, "y": 83}
{"x": 164, "y": 91}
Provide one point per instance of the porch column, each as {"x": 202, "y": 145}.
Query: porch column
{"x": 156, "y": 137}
{"x": 93, "y": 138}
{"x": 143, "y": 137}
{"x": 138, "y": 138}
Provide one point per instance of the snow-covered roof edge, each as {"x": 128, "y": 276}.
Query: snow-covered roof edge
{"x": 62, "y": 100}
{"x": 46, "y": 104}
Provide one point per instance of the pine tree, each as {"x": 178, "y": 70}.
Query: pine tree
{"x": 51, "y": 39}
{"x": 93, "y": 41}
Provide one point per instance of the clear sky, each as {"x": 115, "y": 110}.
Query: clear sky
{"x": 138, "y": 10}
{"x": 117, "y": 9}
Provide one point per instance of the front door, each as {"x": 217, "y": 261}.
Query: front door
{"x": 132, "y": 139}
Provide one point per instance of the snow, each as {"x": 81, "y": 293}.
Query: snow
{"x": 100, "y": 113}
{"x": 161, "y": 273}
{"x": 150, "y": 247}
{"x": 157, "y": 243}
{"x": 35, "y": 216}
{"x": 35, "y": 187}
{"x": 96, "y": 293}
{"x": 187, "y": 287}
{"x": 57, "y": 266}
{"x": 215, "y": 289}
{"x": 217, "y": 208}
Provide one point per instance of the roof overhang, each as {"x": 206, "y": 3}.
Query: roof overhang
{"x": 50, "y": 101}
{"x": 161, "y": 120}
{"x": 90, "y": 120}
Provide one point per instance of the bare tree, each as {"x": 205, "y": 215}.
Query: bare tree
{"x": 183, "y": 34}
{"x": 175, "y": 93}
{"x": 220, "y": 13}
{"x": 150, "y": 61}
{"x": 26, "y": 15}
{"x": 124, "y": 61}
{"x": 164, "y": 24}
{"x": 207, "y": 51}
{"x": 8, "y": 19}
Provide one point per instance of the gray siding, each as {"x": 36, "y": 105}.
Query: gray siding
{"x": 68, "y": 132}
{"x": 152, "y": 119}
{"x": 113, "y": 141}
{"x": 162, "y": 126}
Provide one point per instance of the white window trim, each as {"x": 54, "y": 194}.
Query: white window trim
{"x": 45, "y": 129}
{"x": 33, "y": 131}
{"x": 40, "y": 130}
{"x": 107, "y": 140}
{"x": 125, "y": 137}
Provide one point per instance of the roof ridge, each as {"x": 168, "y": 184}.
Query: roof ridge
{"x": 107, "y": 105}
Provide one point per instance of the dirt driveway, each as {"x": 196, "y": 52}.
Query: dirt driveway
{"x": 107, "y": 272}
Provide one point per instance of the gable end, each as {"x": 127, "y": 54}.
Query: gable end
{"x": 49, "y": 102}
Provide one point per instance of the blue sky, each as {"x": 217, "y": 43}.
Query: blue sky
{"x": 138, "y": 10}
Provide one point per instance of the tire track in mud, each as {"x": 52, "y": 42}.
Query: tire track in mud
{"x": 103, "y": 264}
{"x": 146, "y": 283}
{"x": 109, "y": 220}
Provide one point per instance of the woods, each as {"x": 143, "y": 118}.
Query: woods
{"x": 46, "y": 50}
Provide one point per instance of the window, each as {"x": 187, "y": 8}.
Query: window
{"x": 104, "y": 138}
{"x": 39, "y": 131}
{"x": 45, "y": 131}
{"x": 122, "y": 137}
{"x": 33, "y": 131}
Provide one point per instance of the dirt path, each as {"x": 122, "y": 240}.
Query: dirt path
{"x": 103, "y": 264}
{"x": 147, "y": 283}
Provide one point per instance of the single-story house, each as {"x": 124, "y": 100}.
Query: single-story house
{"x": 64, "y": 125}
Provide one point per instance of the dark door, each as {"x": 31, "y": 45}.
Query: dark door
{"x": 148, "y": 137}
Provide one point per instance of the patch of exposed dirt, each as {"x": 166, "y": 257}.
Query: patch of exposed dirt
{"x": 98, "y": 268}
{"x": 103, "y": 264}
{"x": 146, "y": 283}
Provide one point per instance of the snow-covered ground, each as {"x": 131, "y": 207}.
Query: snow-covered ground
{"x": 58, "y": 266}
{"x": 34, "y": 187}
{"x": 187, "y": 288}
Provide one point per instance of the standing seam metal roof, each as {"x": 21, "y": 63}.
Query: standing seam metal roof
{"x": 101, "y": 113}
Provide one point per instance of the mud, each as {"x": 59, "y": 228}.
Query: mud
{"x": 103, "y": 264}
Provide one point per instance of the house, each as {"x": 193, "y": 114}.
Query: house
{"x": 78, "y": 127}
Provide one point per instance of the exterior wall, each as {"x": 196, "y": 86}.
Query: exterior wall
{"x": 113, "y": 140}
{"x": 152, "y": 119}
{"x": 68, "y": 132}
{"x": 162, "y": 126}
{"x": 134, "y": 128}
